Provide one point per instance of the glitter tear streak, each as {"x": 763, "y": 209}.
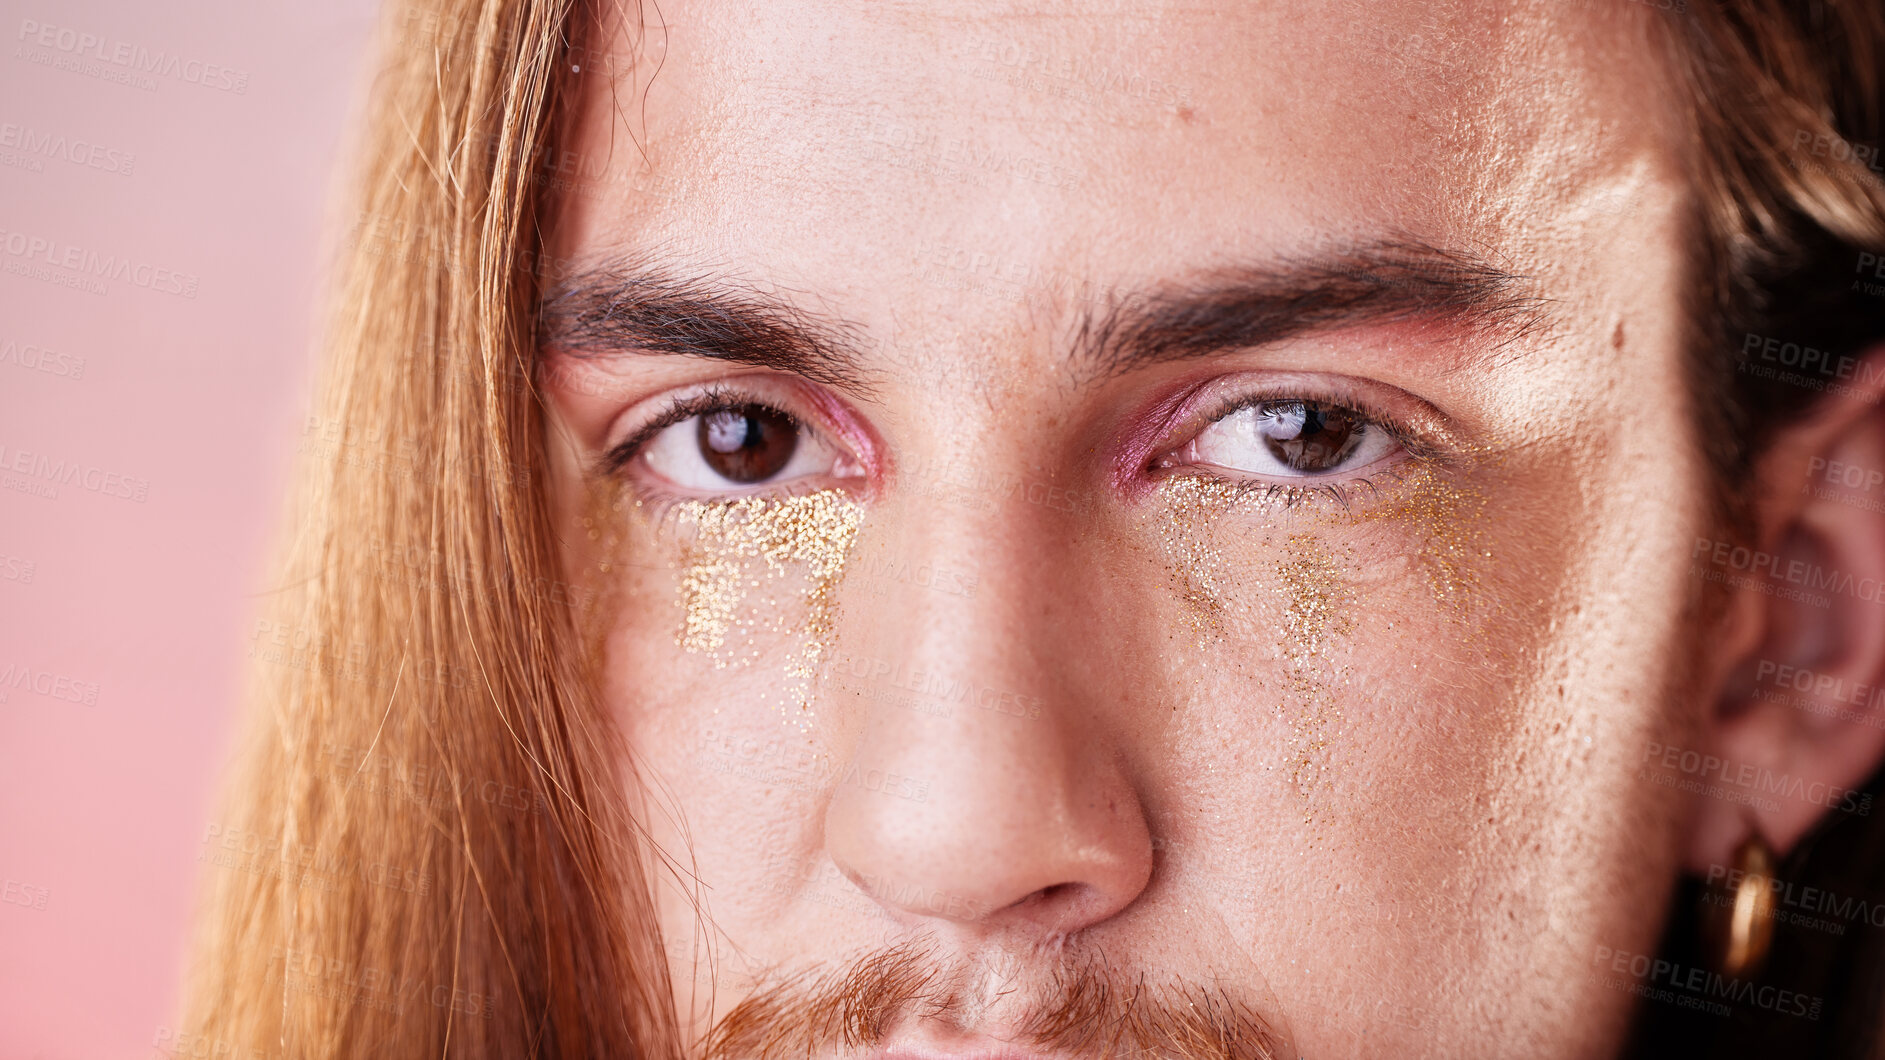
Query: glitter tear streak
{"x": 733, "y": 542}
{"x": 1316, "y": 614}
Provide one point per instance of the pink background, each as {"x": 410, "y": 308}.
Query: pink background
{"x": 105, "y": 806}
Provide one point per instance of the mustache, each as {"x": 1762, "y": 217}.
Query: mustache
{"x": 1083, "y": 1007}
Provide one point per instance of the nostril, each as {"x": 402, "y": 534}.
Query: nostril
{"x": 1057, "y": 903}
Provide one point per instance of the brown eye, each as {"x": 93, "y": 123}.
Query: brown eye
{"x": 1308, "y": 436}
{"x": 747, "y": 444}
{"x": 1292, "y": 438}
{"x": 715, "y": 446}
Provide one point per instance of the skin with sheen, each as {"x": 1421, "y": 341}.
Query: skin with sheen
{"x": 1094, "y": 686}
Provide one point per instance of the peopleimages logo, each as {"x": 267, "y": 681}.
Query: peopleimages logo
{"x": 1807, "y": 358}
{"x": 79, "y": 152}
{"x": 1828, "y": 687}
{"x": 1851, "y": 476}
{"x": 38, "y": 473}
{"x": 1815, "y": 900}
{"x": 80, "y": 46}
{"x": 1755, "y": 779}
{"x": 1827, "y": 145}
{"x": 1810, "y": 576}
{"x": 41, "y": 250}
{"x": 1664, "y": 980}
{"x": 41, "y": 359}
{"x": 15, "y": 677}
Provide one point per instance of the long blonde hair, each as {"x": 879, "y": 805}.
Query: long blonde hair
{"x": 432, "y": 848}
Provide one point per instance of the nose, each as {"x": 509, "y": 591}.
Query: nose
{"x": 1015, "y": 809}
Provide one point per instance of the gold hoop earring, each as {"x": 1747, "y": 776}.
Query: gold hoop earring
{"x": 1745, "y": 913}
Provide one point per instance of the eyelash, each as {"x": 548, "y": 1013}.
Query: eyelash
{"x": 1289, "y": 495}
{"x": 713, "y": 399}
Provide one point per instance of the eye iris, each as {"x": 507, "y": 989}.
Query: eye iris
{"x": 750, "y": 443}
{"x": 1308, "y": 436}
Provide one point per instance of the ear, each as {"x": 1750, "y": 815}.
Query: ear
{"x": 1800, "y": 722}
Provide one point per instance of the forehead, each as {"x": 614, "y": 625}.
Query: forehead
{"x": 891, "y": 156}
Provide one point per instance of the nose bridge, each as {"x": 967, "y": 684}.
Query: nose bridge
{"x": 960, "y": 609}
{"x": 1014, "y": 807}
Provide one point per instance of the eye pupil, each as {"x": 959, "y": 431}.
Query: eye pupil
{"x": 750, "y": 443}
{"x": 1308, "y": 436}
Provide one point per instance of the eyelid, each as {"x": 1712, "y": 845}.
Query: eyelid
{"x": 1422, "y": 430}
{"x": 1374, "y": 417}
{"x": 806, "y": 404}
{"x": 675, "y": 411}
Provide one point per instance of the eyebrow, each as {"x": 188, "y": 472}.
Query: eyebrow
{"x": 1381, "y": 283}
{"x": 622, "y": 309}
{"x": 617, "y": 309}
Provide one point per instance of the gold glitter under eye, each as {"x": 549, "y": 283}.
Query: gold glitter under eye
{"x": 1193, "y": 503}
{"x": 1447, "y": 518}
{"x": 738, "y": 547}
{"x": 1311, "y": 614}
{"x": 1434, "y": 508}
{"x": 1432, "y": 499}
{"x": 1317, "y": 612}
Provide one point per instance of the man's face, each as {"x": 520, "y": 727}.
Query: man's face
{"x": 1185, "y": 501}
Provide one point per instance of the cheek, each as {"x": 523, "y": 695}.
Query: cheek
{"x": 1340, "y": 635}
{"x": 720, "y": 627}
{"x": 728, "y": 786}
{"x": 1427, "y": 717}
{"x": 730, "y": 602}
